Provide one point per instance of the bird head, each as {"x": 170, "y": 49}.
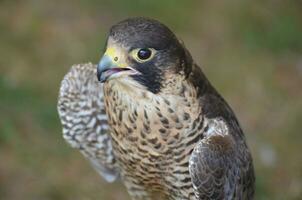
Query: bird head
{"x": 143, "y": 51}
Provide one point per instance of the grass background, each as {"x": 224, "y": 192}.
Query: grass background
{"x": 250, "y": 50}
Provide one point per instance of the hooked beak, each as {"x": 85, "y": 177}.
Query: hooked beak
{"x": 108, "y": 68}
{"x": 104, "y": 65}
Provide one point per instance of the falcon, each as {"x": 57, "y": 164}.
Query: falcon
{"x": 148, "y": 114}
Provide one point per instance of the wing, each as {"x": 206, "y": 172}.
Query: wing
{"x": 81, "y": 111}
{"x": 219, "y": 167}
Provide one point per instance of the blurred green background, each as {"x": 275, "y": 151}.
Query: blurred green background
{"x": 250, "y": 50}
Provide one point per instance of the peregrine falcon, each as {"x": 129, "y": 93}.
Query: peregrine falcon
{"x": 154, "y": 119}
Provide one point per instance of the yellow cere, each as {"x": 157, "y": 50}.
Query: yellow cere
{"x": 112, "y": 53}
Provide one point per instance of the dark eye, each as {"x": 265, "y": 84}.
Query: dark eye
{"x": 144, "y": 54}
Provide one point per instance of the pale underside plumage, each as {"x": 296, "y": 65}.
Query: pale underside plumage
{"x": 215, "y": 165}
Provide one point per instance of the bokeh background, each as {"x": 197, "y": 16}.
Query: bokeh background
{"x": 250, "y": 50}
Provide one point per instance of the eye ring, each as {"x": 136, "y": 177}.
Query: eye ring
{"x": 143, "y": 54}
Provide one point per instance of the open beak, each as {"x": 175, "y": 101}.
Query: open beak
{"x": 107, "y": 68}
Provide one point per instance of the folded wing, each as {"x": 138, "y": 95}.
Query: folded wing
{"x": 81, "y": 111}
{"x": 217, "y": 166}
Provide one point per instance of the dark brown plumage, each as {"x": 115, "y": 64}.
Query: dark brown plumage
{"x": 172, "y": 136}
